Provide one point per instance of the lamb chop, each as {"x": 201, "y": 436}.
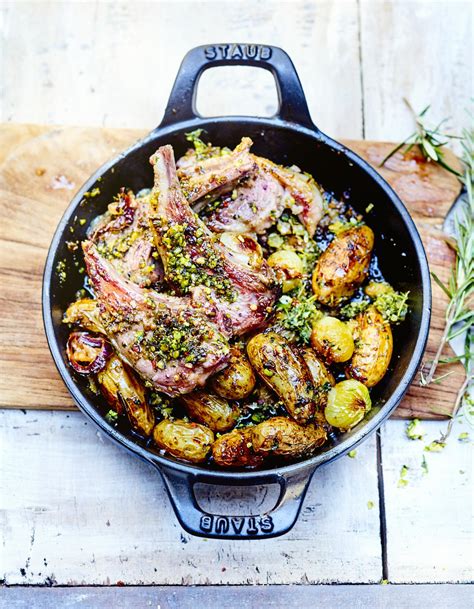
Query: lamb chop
{"x": 257, "y": 202}
{"x": 216, "y": 172}
{"x": 169, "y": 341}
{"x": 265, "y": 189}
{"x": 123, "y": 236}
{"x": 237, "y": 278}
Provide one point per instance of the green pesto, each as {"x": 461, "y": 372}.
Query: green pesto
{"x": 353, "y": 309}
{"x": 393, "y": 306}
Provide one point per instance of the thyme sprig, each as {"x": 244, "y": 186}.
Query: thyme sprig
{"x": 429, "y": 140}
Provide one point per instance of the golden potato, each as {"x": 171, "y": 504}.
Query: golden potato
{"x": 343, "y": 266}
{"x": 84, "y": 313}
{"x": 322, "y": 377}
{"x": 235, "y": 449}
{"x": 283, "y": 437}
{"x": 122, "y": 389}
{"x": 210, "y": 410}
{"x": 189, "y": 441}
{"x": 375, "y": 288}
{"x": 332, "y": 340}
{"x": 284, "y": 371}
{"x": 237, "y": 380}
{"x": 288, "y": 267}
{"x": 348, "y": 403}
{"x": 373, "y": 350}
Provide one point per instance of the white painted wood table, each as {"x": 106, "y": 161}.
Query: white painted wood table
{"x": 77, "y": 511}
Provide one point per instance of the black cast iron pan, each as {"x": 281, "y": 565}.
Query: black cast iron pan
{"x": 290, "y": 137}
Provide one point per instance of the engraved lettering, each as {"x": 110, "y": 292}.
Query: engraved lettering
{"x": 265, "y": 53}
{"x": 224, "y": 49}
{"x": 206, "y": 523}
{"x": 251, "y": 51}
{"x": 266, "y": 524}
{"x": 237, "y": 524}
{"x": 236, "y": 52}
{"x": 210, "y": 53}
{"x": 222, "y": 524}
{"x": 252, "y": 528}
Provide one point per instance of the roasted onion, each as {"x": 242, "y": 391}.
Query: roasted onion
{"x": 87, "y": 353}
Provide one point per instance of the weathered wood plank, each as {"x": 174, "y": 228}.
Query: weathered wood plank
{"x": 87, "y": 67}
{"x": 429, "y": 521}
{"x": 418, "y": 50}
{"x": 86, "y": 512}
{"x": 246, "y": 597}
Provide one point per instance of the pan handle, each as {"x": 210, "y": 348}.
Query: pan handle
{"x": 277, "y": 521}
{"x": 292, "y": 102}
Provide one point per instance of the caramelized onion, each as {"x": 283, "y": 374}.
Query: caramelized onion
{"x": 87, "y": 353}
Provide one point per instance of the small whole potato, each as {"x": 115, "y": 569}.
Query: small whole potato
{"x": 332, "y": 340}
{"x": 283, "y": 437}
{"x": 288, "y": 267}
{"x": 323, "y": 379}
{"x": 343, "y": 266}
{"x": 122, "y": 389}
{"x": 188, "y": 441}
{"x": 375, "y": 288}
{"x": 237, "y": 380}
{"x": 235, "y": 449}
{"x": 284, "y": 371}
{"x": 84, "y": 313}
{"x": 210, "y": 410}
{"x": 373, "y": 350}
{"x": 348, "y": 403}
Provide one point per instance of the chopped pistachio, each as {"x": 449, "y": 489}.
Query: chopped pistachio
{"x": 352, "y": 454}
{"x": 402, "y": 481}
{"x": 435, "y": 447}
{"x": 370, "y": 505}
{"x": 463, "y": 436}
{"x": 414, "y": 430}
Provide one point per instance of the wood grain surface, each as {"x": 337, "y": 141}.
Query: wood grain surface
{"x": 41, "y": 169}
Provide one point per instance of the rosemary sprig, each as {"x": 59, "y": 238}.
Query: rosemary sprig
{"x": 430, "y": 141}
{"x": 460, "y": 287}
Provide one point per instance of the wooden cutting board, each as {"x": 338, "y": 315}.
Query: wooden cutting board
{"x": 40, "y": 170}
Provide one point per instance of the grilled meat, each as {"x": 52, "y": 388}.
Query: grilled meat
{"x": 215, "y": 174}
{"x": 237, "y": 278}
{"x": 123, "y": 236}
{"x": 171, "y": 342}
{"x": 265, "y": 189}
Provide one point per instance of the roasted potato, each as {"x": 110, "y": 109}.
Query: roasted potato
{"x": 84, "y": 313}
{"x": 288, "y": 267}
{"x": 122, "y": 390}
{"x": 235, "y": 449}
{"x": 284, "y": 371}
{"x": 343, "y": 266}
{"x": 189, "y": 441}
{"x": 282, "y": 437}
{"x": 348, "y": 402}
{"x": 373, "y": 350}
{"x": 237, "y": 380}
{"x": 245, "y": 249}
{"x": 375, "y": 288}
{"x": 332, "y": 340}
{"x": 210, "y": 410}
{"x": 322, "y": 377}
